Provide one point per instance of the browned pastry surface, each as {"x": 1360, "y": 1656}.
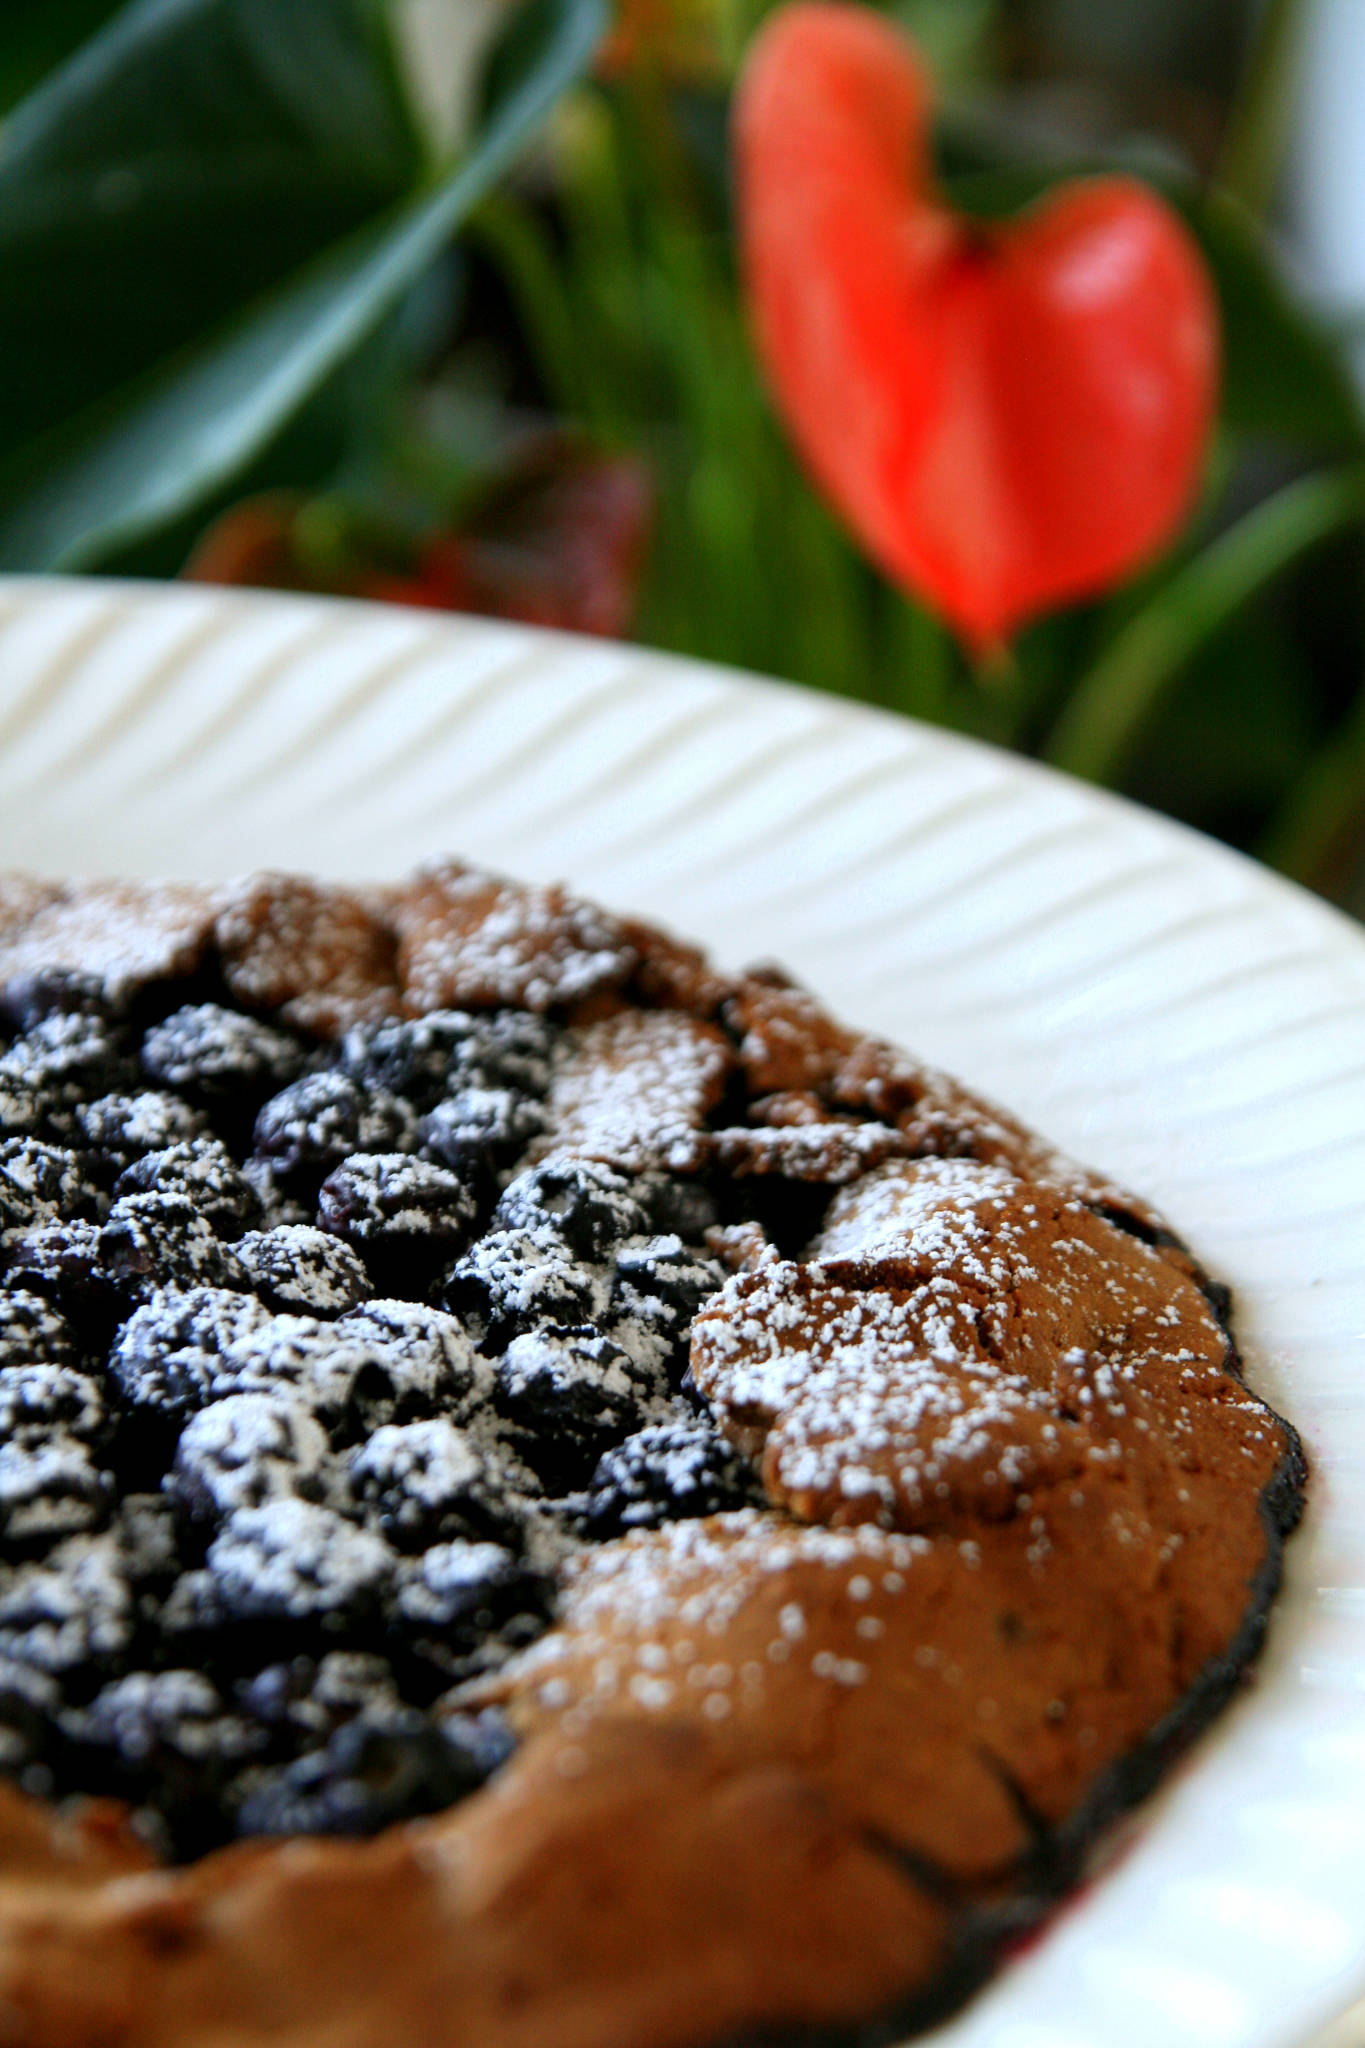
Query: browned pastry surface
{"x": 118, "y": 934}
{"x": 467, "y": 938}
{"x": 781, "y": 1767}
{"x": 636, "y": 1089}
{"x": 322, "y": 958}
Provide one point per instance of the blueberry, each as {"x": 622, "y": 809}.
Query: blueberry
{"x": 120, "y": 1128}
{"x": 41, "y": 1184}
{"x": 293, "y": 1561}
{"x": 668, "y": 1472}
{"x": 154, "y": 1721}
{"x": 22, "y": 1104}
{"x": 484, "y": 1738}
{"x": 346, "y": 1682}
{"x": 509, "y": 1049}
{"x": 307, "y": 1698}
{"x": 423, "y": 1482}
{"x": 374, "y": 1771}
{"x": 167, "y": 1736}
{"x": 70, "y": 1612}
{"x": 212, "y": 1054}
{"x": 678, "y": 1208}
{"x": 311, "y": 1126}
{"x": 155, "y": 1241}
{"x": 298, "y": 1357}
{"x": 413, "y": 1057}
{"x": 481, "y": 1128}
{"x": 62, "y": 1062}
{"x": 32, "y": 1331}
{"x": 57, "y": 991}
{"x": 49, "y": 1490}
{"x": 419, "y": 1361}
{"x": 587, "y": 1206}
{"x": 171, "y": 1354}
{"x": 278, "y": 1204}
{"x": 193, "y": 1621}
{"x": 145, "y": 1530}
{"x": 248, "y": 1449}
{"x": 464, "y": 1589}
{"x": 47, "y": 1397}
{"x": 62, "y": 1262}
{"x": 516, "y": 1279}
{"x": 202, "y": 1172}
{"x": 403, "y": 1216}
{"x": 574, "y": 1392}
{"x": 300, "y": 1268}
{"x": 660, "y": 1283}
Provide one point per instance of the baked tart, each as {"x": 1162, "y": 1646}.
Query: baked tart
{"x": 551, "y": 1497}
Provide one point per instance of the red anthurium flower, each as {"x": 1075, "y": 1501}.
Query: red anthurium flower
{"x": 1010, "y": 415}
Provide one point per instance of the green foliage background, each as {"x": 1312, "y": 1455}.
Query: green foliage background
{"x": 231, "y": 257}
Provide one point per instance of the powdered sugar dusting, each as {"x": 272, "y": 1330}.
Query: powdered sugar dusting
{"x": 635, "y": 1090}
{"x": 117, "y": 934}
{"x": 467, "y": 938}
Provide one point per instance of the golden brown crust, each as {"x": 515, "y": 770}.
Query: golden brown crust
{"x": 118, "y": 934}
{"x": 468, "y": 939}
{"x": 832, "y": 1152}
{"x": 541, "y": 1914}
{"x": 669, "y": 975}
{"x": 1014, "y": 1342}
{"x": 21, "y": 898}
{"x": 320, "y": 957}
{"x": 786, "y": 1041}
{"x": 636, "y": 1089}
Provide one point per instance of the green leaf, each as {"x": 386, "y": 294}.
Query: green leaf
{"x": 1257, "y": 131}
{"x": 1111, "y": 705}
{"x": 1242, "y": 724}
{"x": 34, "y": 39}
{"x": 149, "y": 453}
{"x": 1316, "y": 834}
{"x": 1284, "y": 373}
{"x": 192, "y": 154}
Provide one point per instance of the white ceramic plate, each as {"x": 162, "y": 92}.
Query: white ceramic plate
{"x": 1150, "y": 1000}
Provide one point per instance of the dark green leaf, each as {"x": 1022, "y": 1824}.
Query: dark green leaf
{"x": 1284, "y": 374}
{"x": 188, "y": 157}
{"x": 147, "y": 455}
{"x": 34, "y": 39}
{"x": 1240, "y": 726}
{"x": 1112, "y": 703}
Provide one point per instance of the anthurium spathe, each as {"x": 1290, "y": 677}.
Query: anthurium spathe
{"x": 1011, "y": 414}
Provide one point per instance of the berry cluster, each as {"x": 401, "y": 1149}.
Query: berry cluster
{"x": 308, "y": 1383}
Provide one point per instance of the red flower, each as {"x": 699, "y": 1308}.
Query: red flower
{"x": 1010, "y": 416}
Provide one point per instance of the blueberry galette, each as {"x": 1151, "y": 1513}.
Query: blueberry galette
{"x": 554, "y": 1498}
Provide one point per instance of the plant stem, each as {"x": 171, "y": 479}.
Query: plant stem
{"x": 1258, "y": 125}
{"x": 515, "y": 242}
{"x": 1322, "y": 818}
{"x": 1097, "y": 732}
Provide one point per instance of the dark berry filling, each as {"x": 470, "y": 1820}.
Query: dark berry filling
{"x": 309, "y": 1383}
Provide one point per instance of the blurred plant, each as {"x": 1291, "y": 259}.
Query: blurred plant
{"x": 1217, "y": 683}
{"x": 225, "y": 235}
{"x": 553, "y": 536}
{"x": 204, "y": 212}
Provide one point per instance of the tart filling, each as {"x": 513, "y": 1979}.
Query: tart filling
{"x": 462, "y": 1357}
